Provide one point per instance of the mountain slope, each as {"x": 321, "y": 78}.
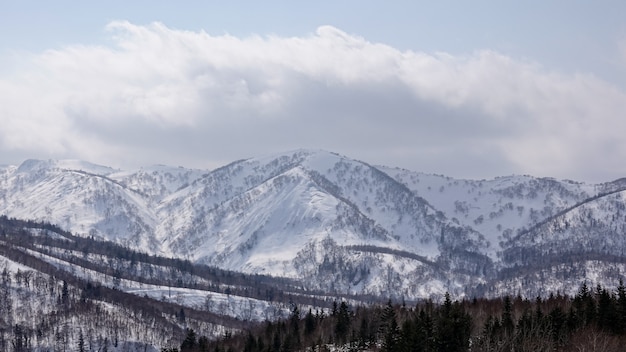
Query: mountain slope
{"x": 334, "y": 223}
{"x": 271, "y": 215}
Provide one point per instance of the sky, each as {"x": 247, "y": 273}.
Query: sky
{"x": 469, "y": 89}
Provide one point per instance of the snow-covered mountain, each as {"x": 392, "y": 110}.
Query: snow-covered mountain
{"x": 340, "y": 225}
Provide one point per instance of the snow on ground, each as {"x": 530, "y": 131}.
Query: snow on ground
{"x": 230, "y": 305}
{"x": 69, "y": 164}
{"x": 12, "y": 267}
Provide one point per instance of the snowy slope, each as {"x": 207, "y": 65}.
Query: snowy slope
{"x": 269, "y": 215}
{"x": 595, "y": 227}
{"x": 158, "y": 181}
{"x": 497, "y": 208}
{"x": 77, "y": 199}
{"x": 338, "y": 224}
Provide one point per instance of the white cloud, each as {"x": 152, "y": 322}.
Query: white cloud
{"x": 163, "y": 95}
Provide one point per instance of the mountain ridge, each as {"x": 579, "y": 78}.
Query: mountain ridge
{"x": 338, "y": 224}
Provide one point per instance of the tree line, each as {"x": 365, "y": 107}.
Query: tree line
{"x": 124, "y": 263}
{"x": 592, "y": 320}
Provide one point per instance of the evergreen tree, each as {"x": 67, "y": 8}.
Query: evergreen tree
{"x": 558, "y": 325}
{"x": 294, "y": 319}
{"x": 335, "y": 310}
{"x": 81, "y": 341}
{"x": 454, "y": 327}
{"x": 181, "y": 316}
{"x": 65, "y": 296}
{"x": 526, "y": 325}
{"x": 607, "y": 318}
{"x": 426, "y": 331}
{"x": 507, "y": 316}
{"x": 343, "y": 322}
{"x": 276, "y": 343}
{"x": 364, "y": 333}
{"x": 203, "y": 344}
{"x": 389, "y": 329}
{"x": 585, "y": 306}
{"x": 20, "y": 341}
{"x": 409, "y": 338}
{"x": 294, "y": 324}
{"x": 190, "y": 341}
{"x": 621, "y": 308}
{"x": 309, "y": 323}
{"x": 260, "y": 344}
{"x": 492, "y": 332}
{"x": 250, "y": 344}
{"x": 538, "y": 311}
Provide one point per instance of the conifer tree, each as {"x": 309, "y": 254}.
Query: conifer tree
{"x": 621, "y": 308}
{"x": 607, "y": 318}
{"x": 389, "y": 329}
{"x": 190, "y": 341}
{"x": 343, "y": 322}
{"x": 294, "y": 327}
{"x": 309, "y": 323}
{"x": 251, "y": 343}
{"x": 585, "y": 306}
{"x": 454, "y": 327}
{"x": 538, "y": 311}
{"x": 81, "y": 341}
{"x": 65, "y": 296}
{"x": 364, "y": 333}
{"x": 507, "y": 316}
{"x": 558, "y": 325}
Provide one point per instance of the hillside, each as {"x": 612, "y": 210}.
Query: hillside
{"x": 338, "y": 225}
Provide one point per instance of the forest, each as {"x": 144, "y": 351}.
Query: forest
{"x": 49, "y": 303}
{"x": 593, "y": 320}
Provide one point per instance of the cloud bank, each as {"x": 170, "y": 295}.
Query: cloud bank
{"x": 160, "y": 95}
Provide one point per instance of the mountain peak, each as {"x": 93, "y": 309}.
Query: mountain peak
{"x": 35, "y": 165}
{"x": 326, "y": 218}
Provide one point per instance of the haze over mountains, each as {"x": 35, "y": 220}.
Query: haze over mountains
{"x": 340, "y": 225}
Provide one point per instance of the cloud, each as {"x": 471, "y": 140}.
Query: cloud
{"x": 158, "y": 94}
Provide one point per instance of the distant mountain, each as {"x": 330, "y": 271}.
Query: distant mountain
{"x": 340, "y": 225}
